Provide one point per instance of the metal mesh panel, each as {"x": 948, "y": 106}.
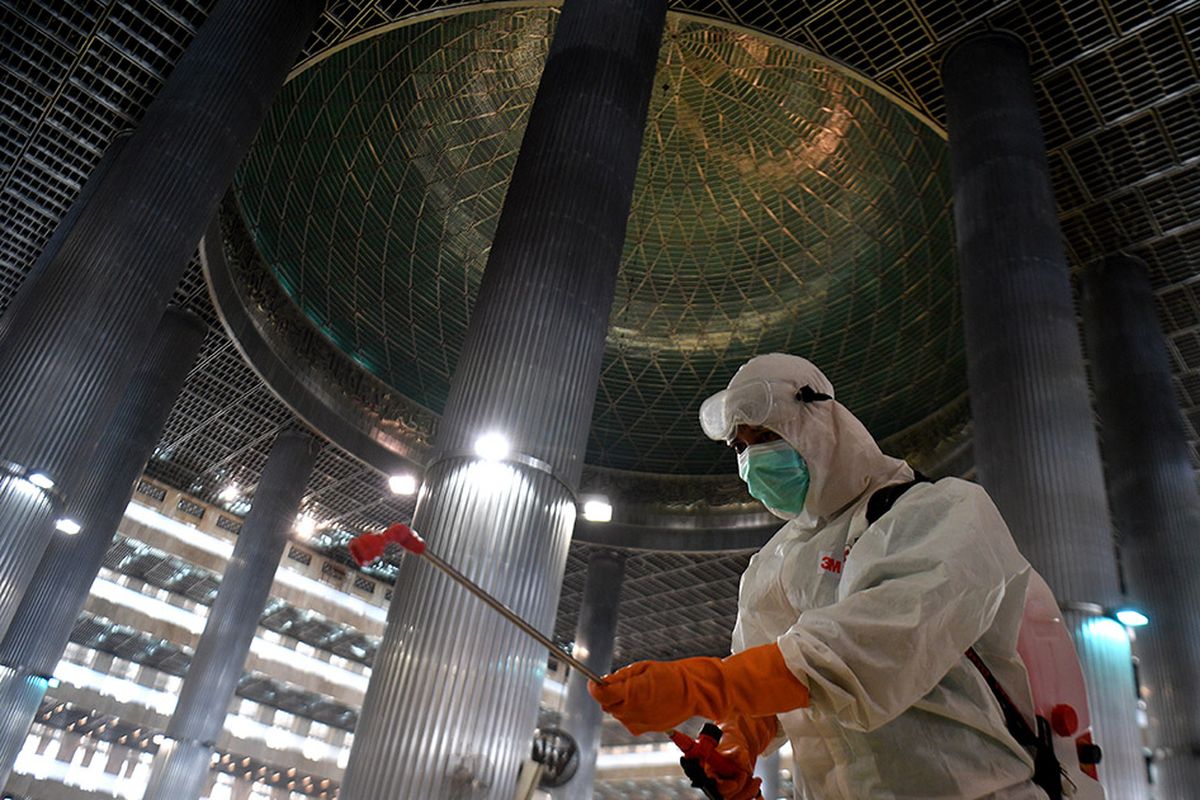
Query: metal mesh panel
{"x": 88, "y": 722}
{"x": 74, "y": 76}
{"x": 163, "y": 571}
{"x": 780, "y": 205}
{"x": 138, "y": 647}
{"x": 672, "y": 605}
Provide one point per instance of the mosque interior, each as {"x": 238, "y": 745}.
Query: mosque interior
{"x": 793, "y": 195}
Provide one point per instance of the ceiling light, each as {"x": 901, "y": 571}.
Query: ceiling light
{"x": 492, "y": 446}
{"x": 597, "y": 509}
{"x": 230, "y": 493}
{"x": 68, "y": 526}
{"x": 403, "y": 484}
{"x": 305, "y": 525}
{"x": 1132, "y": 618}
{"x": 41, "y": 480}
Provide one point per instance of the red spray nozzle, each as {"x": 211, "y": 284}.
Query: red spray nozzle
{"x": 684, "y": 742}
{"x": 367, "y": 547}
{"x": 704, "y": 749}
{"x": 406, "y": 537}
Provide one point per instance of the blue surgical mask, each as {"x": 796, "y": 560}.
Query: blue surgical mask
{"x": 776, "y": 475}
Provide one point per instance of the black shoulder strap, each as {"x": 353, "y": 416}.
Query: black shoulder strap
{"x": 882, "y": 501}
{"x": 1047, "y": 772}
{"x": 1014, "y": 720}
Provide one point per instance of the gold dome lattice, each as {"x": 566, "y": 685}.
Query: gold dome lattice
{"x": 781, "y": 204}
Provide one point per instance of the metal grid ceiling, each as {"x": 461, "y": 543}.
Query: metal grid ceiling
{"x": 780, "y": 205}
{"x": 1116, "y": 81}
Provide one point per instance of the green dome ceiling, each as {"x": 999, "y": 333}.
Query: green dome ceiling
{"x": 781, "y": 204}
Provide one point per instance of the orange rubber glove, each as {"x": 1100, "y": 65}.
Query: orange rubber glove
{"x": 658, "y": 695}
{"x": 743, "y": 740}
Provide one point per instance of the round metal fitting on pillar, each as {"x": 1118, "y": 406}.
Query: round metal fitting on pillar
{"x": 21, "y": 694}
{"x": 519, "y": 459}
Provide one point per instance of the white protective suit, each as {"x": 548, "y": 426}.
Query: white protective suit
{"x": 875, "y": 619}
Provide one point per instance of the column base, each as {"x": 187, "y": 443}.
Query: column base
{"x": 1107, "y": 661}
{"x": 180, "y": 770}
{"x": 20, "y": 697}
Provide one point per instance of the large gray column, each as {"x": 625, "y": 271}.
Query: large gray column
{"x": 42, "y": 624}
{"x": 73, "y": 332}
{"x": 90, "y": 188}
{"x": 181, "y": 765}
{"x": 1035, "y": 445}
{"x": 595, "y": 634}
{"x": 453, "y": 697}
{"x": 1152, "y": 486}
{"x": 767, "y": 769}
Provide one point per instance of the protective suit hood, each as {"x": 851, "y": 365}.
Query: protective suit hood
{"x": 843, "y": 458}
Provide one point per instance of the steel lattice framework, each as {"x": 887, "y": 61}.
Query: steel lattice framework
{"x": 781, "y": 204}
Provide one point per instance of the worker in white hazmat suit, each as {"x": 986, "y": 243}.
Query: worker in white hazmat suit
{"x": 851, "y": 635}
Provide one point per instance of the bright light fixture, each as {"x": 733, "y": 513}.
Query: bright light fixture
{"x": 492, "y": 447}
{"x": 598, "y": 509}
{"x": 41, "y": 480}
{"x": 403, "y": 484}
{"x": 68, "y": 526}
{"x": 230, "y": 493}
{"x": 1132, "y": 618}
{"x": 305, "y": 525}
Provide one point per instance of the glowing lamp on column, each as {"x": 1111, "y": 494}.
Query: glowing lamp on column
{"x": 306, "y": 526}
{"x": 597, "y": 509}
{"x": 403, "y": 484}
{"x": 1131, "y": 618}
{"x": 68, "y": 526}
{"x": 492, "y": 446}
{"x": 41, "y": 480}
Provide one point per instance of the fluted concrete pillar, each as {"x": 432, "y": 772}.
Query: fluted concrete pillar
{"x": 767, "y": 769}
{"x": 595, "y": 634}
{"x": 21, "y": 694}
{"x": 453, "y": 696}
{"x": 1035, "y": 446}
{"x": 42, "y": 623}
{"x": 181, "y": 764}
{"x": 1152, "y": 486}
{"x": 89, "y": 189}
{"x": 63, "y": 362}
{"x": 21, "y": 687}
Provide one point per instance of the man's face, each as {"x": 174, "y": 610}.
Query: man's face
{"x": 746, "y": 435}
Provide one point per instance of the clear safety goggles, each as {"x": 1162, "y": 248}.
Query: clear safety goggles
{"x": 750, "y": 403}
{"x": 754, "y": 403}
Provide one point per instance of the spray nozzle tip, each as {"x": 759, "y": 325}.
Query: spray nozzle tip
{"x": 406, "y": 537}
